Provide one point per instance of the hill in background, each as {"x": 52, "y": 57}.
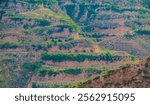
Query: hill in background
{"x": 58, "y": 43}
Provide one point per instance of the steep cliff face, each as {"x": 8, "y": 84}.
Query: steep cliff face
{"x": 135, "y": 75}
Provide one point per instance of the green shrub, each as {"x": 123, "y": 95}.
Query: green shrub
{"x": 146, "y": 4}
{"x": 134, "y": 58}
{"x": 61, "y": 86}
{"x": 79, "y": 57}
{"x": 42, "y": 73}
{"x": 143, "y": 32}
{"x": 35, "y": 85}
{"x": 43, "y": 22}
{"x": 52, "y": 73}
{"x": 96, "y": 35}
{"x": 33, "y": 67}
{"x": 69, "y": 9}
{"x": 72, "y": 71}
{"x": 8, "y": 45}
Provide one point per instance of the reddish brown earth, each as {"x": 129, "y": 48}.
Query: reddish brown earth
{"x": 92, "y": 27}
{"x": 135, "y": 75}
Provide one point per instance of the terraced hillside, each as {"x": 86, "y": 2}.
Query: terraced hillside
{"x": 132, "y": 75}
{"x": 59, "y": 43}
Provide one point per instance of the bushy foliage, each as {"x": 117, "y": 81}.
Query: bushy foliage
{"x": 79, "y": 57}
{"x": 72, "y": 71}
{"x": 146, "y": 3}
{"x": 43, "y": 22}
{"x": 8, "y": 45}
{"x": 33, "y": 67}
{"x": 143, "y": 32}
{"x": 96, "y": 35}
{"x": 52, "y": 73}
{"x": 134, "y": 58}
{"x": 42, "y": 73}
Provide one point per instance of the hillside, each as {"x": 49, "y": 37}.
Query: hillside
{"x": 58, "y": 43}
{"x": 135, "y": 75}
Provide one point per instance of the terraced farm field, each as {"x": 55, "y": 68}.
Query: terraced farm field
{"x": 67, "y": 43}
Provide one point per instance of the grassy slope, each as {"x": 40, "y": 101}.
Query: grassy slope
{"x": 46, "y": 14}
